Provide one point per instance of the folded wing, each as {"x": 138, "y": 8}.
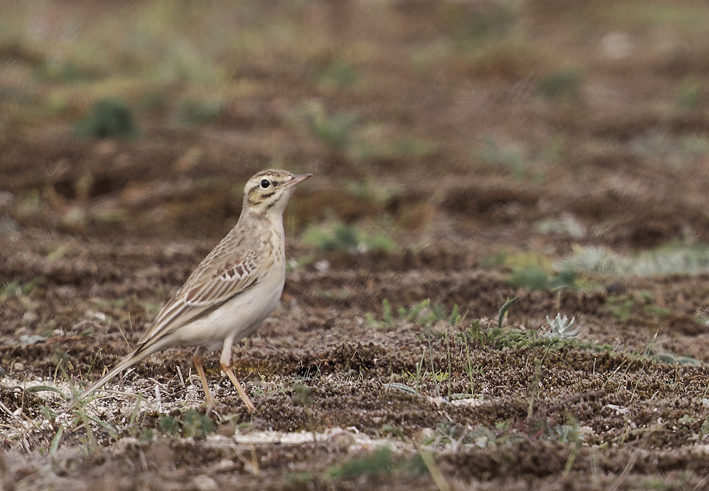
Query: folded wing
{"x": 210, "y": 286}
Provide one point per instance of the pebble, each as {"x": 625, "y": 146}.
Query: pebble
{"x": 205, "y": 483}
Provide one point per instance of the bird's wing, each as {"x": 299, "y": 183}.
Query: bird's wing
{"x": 212, "y": 284}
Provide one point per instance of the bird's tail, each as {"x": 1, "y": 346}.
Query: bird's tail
{"x": 130, "y": 360}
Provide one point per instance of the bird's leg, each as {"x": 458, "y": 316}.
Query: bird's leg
{"x": 197, "y": 358}
{"x": 225, "y": 362}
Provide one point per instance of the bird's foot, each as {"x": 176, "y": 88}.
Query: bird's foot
{"x": 244, "y": 397}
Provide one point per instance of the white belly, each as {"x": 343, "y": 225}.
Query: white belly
{"x": 237, "y": 318}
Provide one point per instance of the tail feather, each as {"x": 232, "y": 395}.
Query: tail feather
{"x": 126, "y": 362}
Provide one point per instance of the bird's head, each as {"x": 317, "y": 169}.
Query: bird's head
{"x": 270, "y": 190}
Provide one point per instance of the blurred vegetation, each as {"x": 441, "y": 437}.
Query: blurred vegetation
{"x": 343, "y": 237}
{"x": 564, "y": 85}
{"x": 109, "y": 118}
{"x": 472, "y": 27}
{"x": 690, "y": 94}
{"x": 675, "y": 258}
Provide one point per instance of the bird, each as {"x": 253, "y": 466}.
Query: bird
{"x": 231, "y": 292}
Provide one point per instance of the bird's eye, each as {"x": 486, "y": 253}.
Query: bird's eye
{"x": 265, "y": 183}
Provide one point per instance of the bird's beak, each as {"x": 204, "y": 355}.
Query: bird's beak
{"x": 297, "y": 180}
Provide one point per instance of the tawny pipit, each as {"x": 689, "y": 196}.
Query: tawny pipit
{"x": 233, "y": 289}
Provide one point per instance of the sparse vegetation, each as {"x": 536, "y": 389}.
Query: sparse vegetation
{"x": 337, "y": 75}
{"x": 511, "y": 158}
{"x": 474, "y": 142}
{"x": 343, "y": 237}
{"x": 17, "y": 288}
{"x": 335, "y": 131}
{"x": 521, "y": 161}
{"x": 346, "y": 135}
{"x": 676, "y": 151}
{"x": 378, "y": 462}
{"x": 476, "y": 26}
{"x": 423, "y": 314}
{"x": 689, "y": 94}
{"x": 109, "y": 118}
{"x": 535, "y": 277}
{"x": 564, "y": 85}
{"x": 63, "y": 71}
{"x": 672, "y": 259}
{"x": 561, "y": 327}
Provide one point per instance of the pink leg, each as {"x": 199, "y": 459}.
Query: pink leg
{"x": 239, "y": 389}
{"x": 200, "y": 370}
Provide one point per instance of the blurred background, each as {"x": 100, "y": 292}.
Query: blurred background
{"x": 451, "y": 120}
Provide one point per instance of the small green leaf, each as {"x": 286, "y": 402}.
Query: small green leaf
{"x": 401, "y": 388}
{"x": 386, "y": 428}
{"x": 55, "y": 441}
{"x": 503, "y": 311}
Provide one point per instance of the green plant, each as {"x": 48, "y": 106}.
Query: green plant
{"x": 168, "y": 425}
{"x": 17, "y": 289}
{"x": 535, "y": 277}
{"x": 335, "y": 130}
{"x": 193, "y": 424}
{"x": 433, "y": 469}
{"x": 498, "y": 338}
{"x": 620, "y": 307}
{"x": 473, "y": 26}
{"x": 492, "y": 153}
{"x": 422, "y": 314}
{"x": 108, "y": 118}
{"x": 523, "y": 162}
{"x": 336, "y": 75}
{"x": 377, "y": 462}
{"x": 564, "y": 225}
{"x": 469, "y": 367}
{"x": 64, "y": 71}
{"x": 346, "y": 136}
{"x": 704, "y": 429}
{"x": 196, "y": 425}
{"x": 657, "y": 310}
{"x": 419, "y": 372}
{"x": 496, "y": 259}
{"x": 387, "y": 318}
{"x": 532, "y": 277}
{"x": 374, "y": 192}
{"x": 560, "y": 327}
{"x": 389, "y": 429}
{"x": 301, "y": 395}
{"x": 455, "y": 316}
{"x": 401, "y": 388}
{"x": 304, "y": 477}
{"x": 677, "y": 151}
{"x": 533, "y": 387}
{"x": 562, "y": 85}
{"x": 433, "y": 368}
{"x": 343, "y": 237}
{"x": 502, "y": 313}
